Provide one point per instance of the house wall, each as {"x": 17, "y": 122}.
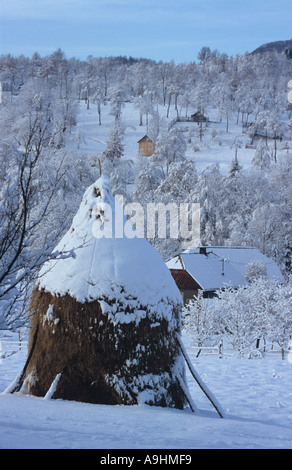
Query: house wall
{"x": 188, "y": 295}
{"x": 146, "y": 147}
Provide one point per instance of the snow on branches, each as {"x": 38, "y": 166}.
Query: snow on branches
{"x": 244, "y": 317}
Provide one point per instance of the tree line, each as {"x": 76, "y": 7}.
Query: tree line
{"x": 250, "y": 320}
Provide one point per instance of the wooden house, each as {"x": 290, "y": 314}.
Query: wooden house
{"x": 214, "y": 267}
{"x": 146, "y": 146}
{"x": 198, "y": 117}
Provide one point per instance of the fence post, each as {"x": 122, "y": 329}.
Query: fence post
{"x": 220, "y": 348}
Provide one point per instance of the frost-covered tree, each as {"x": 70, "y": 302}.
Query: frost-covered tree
{"x": 199, "y": 321}
{"x": 144, "y": 104}
{"x": 118, "y": 95}
{"x": 260, "y": 311}
{"x": 178, "y": 183}
{"x": 248, "y": 318}
{"x": 234, "y": 319}
{"x": 177, "y": 146}
{"x": 115, "y": 146}
{"x": 254, "y": 270}
{"x": 262, "y": 157}
{"x": 280, "y": 321}
{"x": 98, "y": 98}
{"x": 204, "y": 54}
{"x": 208, "y": 192}
{"x": 25, "y": 242}
{"x": 170, "y": 146}
{"x": 32, "y": 169}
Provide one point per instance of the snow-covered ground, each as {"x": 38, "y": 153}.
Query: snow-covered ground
{"x": 255, "y": 394}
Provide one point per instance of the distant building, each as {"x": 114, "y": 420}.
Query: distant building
{"x": 198, "y": 117}
{"x": 212, "y": 268}
{"x": 146, "y": 146}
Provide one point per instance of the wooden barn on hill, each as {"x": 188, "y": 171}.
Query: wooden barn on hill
{"x": 146, "y": 146}
{"x": 198, "y": 117}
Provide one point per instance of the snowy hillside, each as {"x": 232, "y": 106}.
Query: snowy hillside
{"x": 254, "y": 394}
{"x": 217, "y": 146}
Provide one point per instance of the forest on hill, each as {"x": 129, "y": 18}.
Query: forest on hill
{"x": 45, "y": 166}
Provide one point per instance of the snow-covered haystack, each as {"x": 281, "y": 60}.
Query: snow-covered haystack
{"x": 105, "y": 322}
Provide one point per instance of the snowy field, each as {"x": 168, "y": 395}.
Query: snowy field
{"x": 91, "y": 138}
{"x": 255, "y": 394}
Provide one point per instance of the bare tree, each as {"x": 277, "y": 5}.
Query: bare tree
{"x": 28, "y": 186}
{"x": 24, "y": 245}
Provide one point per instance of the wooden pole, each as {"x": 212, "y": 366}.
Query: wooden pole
{"x": 17, "y": 384}
{"x": 99, "y": 166}
{"x": 199, "y": 381}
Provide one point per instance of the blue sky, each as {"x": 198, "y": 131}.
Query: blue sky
{"x": 157, "y": 29}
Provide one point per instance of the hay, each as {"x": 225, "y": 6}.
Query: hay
{"x": 101, "y": 360}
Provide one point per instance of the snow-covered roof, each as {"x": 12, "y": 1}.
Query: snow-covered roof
{"x": 108, "y": 267}
{"x": 222, "y": 266}
{"x": 146, "y": 137}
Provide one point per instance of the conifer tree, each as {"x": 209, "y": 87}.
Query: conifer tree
{"x": 115, "y": 146}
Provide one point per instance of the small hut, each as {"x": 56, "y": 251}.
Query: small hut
{"x": 106, "y": 322}
{"x": 198, "y": 117}
{"x": 146, "y": 146}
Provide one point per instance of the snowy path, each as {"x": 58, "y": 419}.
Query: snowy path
{"x": 255, "y": 395}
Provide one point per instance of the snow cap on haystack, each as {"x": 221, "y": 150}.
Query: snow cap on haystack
{"x": 105, "y": 322}
{"x": 105, "y": 266}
